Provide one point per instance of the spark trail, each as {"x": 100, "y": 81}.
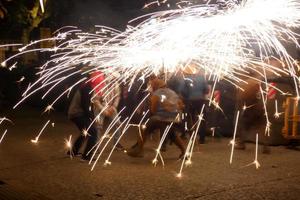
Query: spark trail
{"x": 228, "y": 43}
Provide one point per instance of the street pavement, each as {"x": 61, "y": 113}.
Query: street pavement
{"x": 44, "y": 171}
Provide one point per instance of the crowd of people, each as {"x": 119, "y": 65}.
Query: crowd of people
{"x": 174, "y": 104}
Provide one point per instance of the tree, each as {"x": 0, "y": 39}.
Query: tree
{"x": 21, "y": 16}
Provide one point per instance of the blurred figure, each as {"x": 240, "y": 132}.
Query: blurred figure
{"x": 81, "y": 114}
{"x": 196, "y": 90}
{"x": 252, "y": 116}
{"x": 165, "y": 107}
{"x": 106, "y": 100}
{"x": 192, "y": 86}
{"x": 133, "y": 93}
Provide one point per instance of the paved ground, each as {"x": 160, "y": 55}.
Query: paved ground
{"x": 42, "y": 171}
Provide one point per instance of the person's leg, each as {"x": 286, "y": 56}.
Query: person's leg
{"x": 137, "y": 149}
{"x": 184, "y": 121}
{"x": 195, "y": 110}
{"x": 117, "y": 135}
{"x": 92, "y": 140}
{"x": 202, "y": 128}
{"x": 162, "y": 127}
{"x": 241, "y": 131}
{"x": 151, "y": 126}
{"x": 190, "y": 118}
{"x": 177, "y": 139}
{"x": 79, "y": 122}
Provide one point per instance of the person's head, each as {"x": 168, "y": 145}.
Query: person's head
{"x": 156, "y": 84}
{"x": 97, "y": 81}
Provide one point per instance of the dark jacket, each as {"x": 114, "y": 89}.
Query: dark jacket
{"x": 81, "y": 103}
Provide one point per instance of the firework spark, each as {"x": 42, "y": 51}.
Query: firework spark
{"x": 68, "y": 143}
{"x": 40, "y": 133}
{"x": 42, "y": 6}
{"x": 277, "y": 114}
{"x": 232, "y": 142}
{"x": 187, "y": 158}
{"x": 3, "y": 135}
{"x": 2, "y": 119}
{"x": 227, "y": 43}
{"x": 158, "y": 153}
{"x": 255, "y": 162}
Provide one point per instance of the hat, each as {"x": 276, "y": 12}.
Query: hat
{"x": 97, "y": 81}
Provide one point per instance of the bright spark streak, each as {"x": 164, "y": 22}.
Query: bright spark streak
{"x": 257, "y": 165}
{"x": 232, "y": 142}
{"x": 255, "y": 162}
{"x": 222, "y": 45}
{"x": 105, "y": 135}
{"x": 10, "y": 45}
{"x": 118, "y": 140}
{"x": 104, "y": 147}
{"x": 187, "y": 158}
{"x": 42, "y": 5}
{"x": 41, "y": 131}
{"x": 85, "y": 133}
{"x": 21, "y": 79}
{"x": 14, "y": 66}
{"x": 48, "y": 109}
{"x": 3, "y": 136}
{"x": 2, "y": 119}
{"x": 227, "y": 44}
{"x": 127, "y": 125}
{"x": 179, "y": 175}
{"x": 268, "y": 123}
{"x": 245, "y": 107}
{"x": 69, "y": 142}
{"x": 155, "y": 160}
{"x": 277, "y": 114}
{"x": 213, "y": 131}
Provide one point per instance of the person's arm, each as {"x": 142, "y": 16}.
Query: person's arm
{"x": 98, "y": 103}
{"x": 180, "y": 105}
{"x": 86, "y": 101}
{"x": 153, "y": 103}
{"x": 117, "y": 93}
{"x": 205, "y": 88}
